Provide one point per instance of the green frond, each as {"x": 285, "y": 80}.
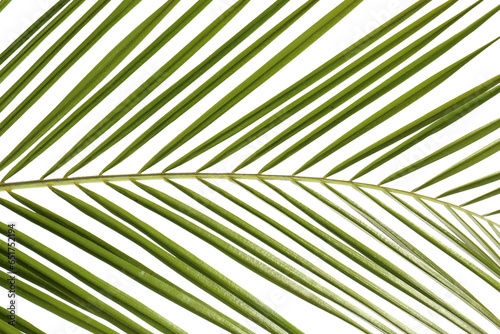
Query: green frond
{"x": 189, "y": 148}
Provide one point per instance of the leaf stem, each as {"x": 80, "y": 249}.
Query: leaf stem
{"x": 158, "y": 176}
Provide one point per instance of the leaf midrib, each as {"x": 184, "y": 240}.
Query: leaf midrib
{"x": 158, "y": 176}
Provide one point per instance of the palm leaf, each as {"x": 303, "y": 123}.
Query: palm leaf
{"x": 194, "y": 236}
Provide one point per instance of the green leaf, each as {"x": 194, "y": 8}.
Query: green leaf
{"x": 492, "y": 266}
{"x": 259, "y": 77}
{"x": 199, "y": 93}
{"x": 4, "y": 4}
{"x": 167, "y": 290}
{"x": 483, "y": 197}
{"x": 212, "y": 283}
{"x": 452, "y": 147}
{"x": 471, "y": 160}
{"x": 242, "y": 90}
{"x": 120, "y": 111}
{"x": 129, "y": 303}
{"x": 28, "y": 76}
{"x": 473, "y": 184}
{"x": 492, "y": 213}
{"x": 26, "y": 35}
{"x": 307, "y": 81}
{"x": 439, "y": 118}
{"x": 362, "y": 83}
{"x": 89, "y": 82}
{"x": 6, "y": 328}
{"x": 103, "y": 244}
{"x": 35, "y": 41}
{"x": 233, "y": 252}
{"x": 470, "y": 300}
{"x": 21, "y": 324}
{"x": 428, "y": 265}
{"x": 371, "y": 257}
{"x": 394, "y": 107}
{"x": 306, "y": 264}
{"x": 444, "y": 308}
{"x": 339, "y": 265}
{"x": 23, "y": 260}
{"x": 282, "y": 266}
{"x": 476, "y": 235}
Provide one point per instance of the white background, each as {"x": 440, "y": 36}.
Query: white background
{"x": 367, "y": 16}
